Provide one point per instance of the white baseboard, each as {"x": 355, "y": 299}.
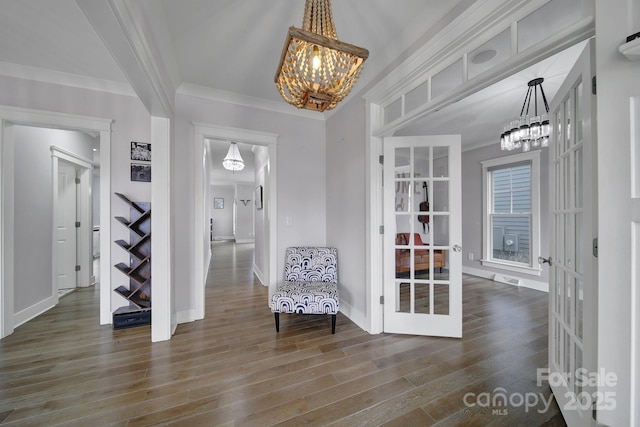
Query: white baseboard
{"x": 245, "y": 240}
{"x": 224, "y": 238}
{"x": 34, "y": 311}
{"x": 354, "y": 315}
{"x": 507, "y": 279}
{"x": 186, "y": 316}
{"x": 259, "y": 274}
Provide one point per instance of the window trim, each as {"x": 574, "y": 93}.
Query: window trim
{"x": 532, "y": 157}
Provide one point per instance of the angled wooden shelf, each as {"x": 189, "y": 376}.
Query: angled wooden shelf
{"x": 138, "y": 270}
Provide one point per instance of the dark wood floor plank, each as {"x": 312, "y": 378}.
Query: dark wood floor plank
{"x": 233, "y": 369}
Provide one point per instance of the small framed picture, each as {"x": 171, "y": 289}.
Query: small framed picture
{"x": 141, "y": 151}
{"x": 259, "y": 197}
{"x": 218, "y": 203}
{"x": 140, "y": 172}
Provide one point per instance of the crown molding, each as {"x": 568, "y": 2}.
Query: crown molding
{"x": 43, "y": 75}
{"x": 188, "y": 89}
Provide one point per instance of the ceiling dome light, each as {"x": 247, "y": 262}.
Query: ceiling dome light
{"x": 233, "y": 161}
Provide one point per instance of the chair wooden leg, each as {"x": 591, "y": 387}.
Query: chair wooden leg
{"x": 333, "y": 323}
{"x": 277, "y": 316}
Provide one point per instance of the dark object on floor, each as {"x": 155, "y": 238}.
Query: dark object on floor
{"x": 128, "y": 317}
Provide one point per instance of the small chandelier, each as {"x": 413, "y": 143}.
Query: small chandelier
{"x": 528, "y": 131}
{"x": 233, "y": 161}
{"x": 316, "y": 69}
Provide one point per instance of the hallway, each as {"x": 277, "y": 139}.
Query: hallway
{"x": 232, "y": 369}
{"x": 231, "y": 265}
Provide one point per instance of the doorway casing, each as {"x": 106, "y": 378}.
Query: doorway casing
{"x": 202, "y": 252}
{"x": 432, "y": 58}
{"x": 10, "y": 116}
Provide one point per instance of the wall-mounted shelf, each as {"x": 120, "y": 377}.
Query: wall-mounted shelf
{"x": 138, "y": 271}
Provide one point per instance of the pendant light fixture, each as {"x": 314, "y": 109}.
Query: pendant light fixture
{"x": 316, "y": 69}
{"x": 233, "y": 160}
{"x": 528, "y": 131}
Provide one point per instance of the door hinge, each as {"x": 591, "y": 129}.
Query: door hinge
{"x": 77, "y": 180}
{"x": 77, "y": 224}
{"x": 595, "y": 247}
{"x": 77, "y": 268}
{"x": 381, "y": 159}
{"x": 382, "y": 299}
{"x": 381, "y": 229}
{"x": 593, "y": 85}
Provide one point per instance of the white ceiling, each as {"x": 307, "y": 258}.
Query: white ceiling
{"x": 235, "y": 46}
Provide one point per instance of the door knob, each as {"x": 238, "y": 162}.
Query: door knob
{"x": 542, "y": 260}
{"x": 457, "y": 248}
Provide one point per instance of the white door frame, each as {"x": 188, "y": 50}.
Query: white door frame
{"x": 10, "y": 116}
{"x": 426, "y": 62}
{"x": 202, "y": 250}
{"x": 84, "y": 237}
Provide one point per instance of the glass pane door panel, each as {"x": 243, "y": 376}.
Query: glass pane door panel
{"x": 441, "y": 196}
{"x": 568, "y": 253}
{"x": 404, "y": 196}
{"x": 441, "y": 162}
{"x": 421, "y": 196}
{"x": 578, "y": 111}
{"x": 403, "y": 293}
{"x": 559, "y": 288}
{"x": 440, "y": 266}
{"x": 440, "y": 299}
{"x": 579, "y": 309}
{"x": 403, "y": 263}
{"x": 568, "y": 299}
{"x": 402, "y": 161}
{"x": 440, "y": 230}
{"x": 421, "y": 156}
{"x": 579, "y": 246}
{"x": 569, "y": 123}
{"x": 578, "y": 177}
{"x": 578, "y": 385}
{"x": 422, "y": 298}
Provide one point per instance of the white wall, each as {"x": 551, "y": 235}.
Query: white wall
{"x": 244, "y": 212}
{"x": 222, "y": 218}
{"x": 346, "y": 204}
{"x": 33, "y": 226}
{"x": 618, "y": 297}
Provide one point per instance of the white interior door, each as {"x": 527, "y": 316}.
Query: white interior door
{"x": 66, "y": 236}
{"x": 573, "y": 273}
{"x": 422, "y": 252}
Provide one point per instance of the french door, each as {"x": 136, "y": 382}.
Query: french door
{"x": 573, "y": 272}
{"x": 422, "y": 236}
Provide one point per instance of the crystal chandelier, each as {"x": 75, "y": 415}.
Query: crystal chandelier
{"x": 316, "y": 69}
{"x": 233, "y": 161}
{"x": 528, "y": 131}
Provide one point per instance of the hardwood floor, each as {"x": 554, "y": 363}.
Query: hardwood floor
{"x": 232, "y": 369}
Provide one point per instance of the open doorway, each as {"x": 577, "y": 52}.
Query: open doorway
{"x": 266, "y": 186}
{"x": 27, "y": 216}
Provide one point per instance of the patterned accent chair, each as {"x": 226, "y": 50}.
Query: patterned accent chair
{"x": 310, "y": 284}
